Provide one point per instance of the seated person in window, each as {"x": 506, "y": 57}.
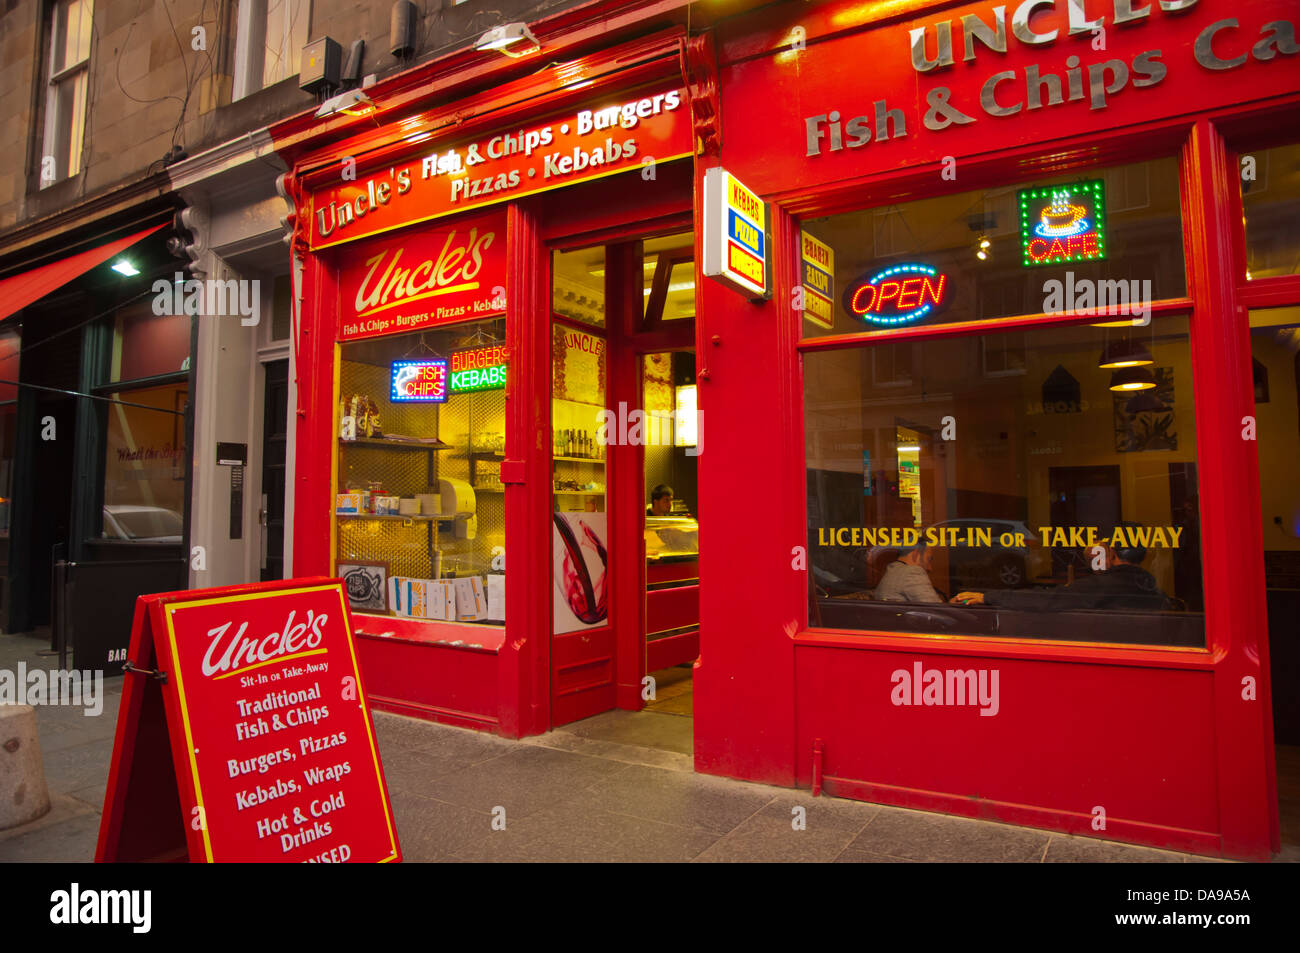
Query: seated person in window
{"x": 1124, "y": 584}
{"x": 661, "y": 501}
{"x": 907, "y": 579}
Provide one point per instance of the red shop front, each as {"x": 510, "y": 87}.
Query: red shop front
{"x": 998, "y": 508}
{"x": 494, "y": 294}
{"x": 1084, "y": 644}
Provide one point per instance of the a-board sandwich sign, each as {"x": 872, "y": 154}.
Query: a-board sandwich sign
{"x": 265, "y": 752}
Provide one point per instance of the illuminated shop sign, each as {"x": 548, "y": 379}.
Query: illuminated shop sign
{"x": 479, "y": 368}
{"x": 422, "y": 380}
{"x": 1063, "y": 223}
{"x": 898, "y": 295}
{"x": 735, "y": 235}
{"x": 818, "y": 281}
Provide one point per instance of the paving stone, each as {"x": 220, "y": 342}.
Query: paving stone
{"x": 685, "y": 800}
{"x": 62, "y": 808}
{"x": 571, "y": 833}
{"x": 523, "y": 781}
{"x": 852, "y": 856}
{"x": 628, "y": 754}
{"x": 429, "y": 829}
{"x": 78, "y": 766}
{"x": 770, "y": 837}
{"x": 939, "y": 837}
{"x": 1067, "y": 849}
{"x": 412, "y": 770}
{"x": 71, "y": 841}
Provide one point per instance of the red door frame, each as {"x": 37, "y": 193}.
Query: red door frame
{"x": 623, "y": 637}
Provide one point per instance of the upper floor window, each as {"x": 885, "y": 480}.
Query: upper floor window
{"x": 65, "y": 99}
{"x": 270, "y": 35}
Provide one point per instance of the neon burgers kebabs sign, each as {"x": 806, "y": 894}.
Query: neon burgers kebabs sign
{"x": 898, "y": 295}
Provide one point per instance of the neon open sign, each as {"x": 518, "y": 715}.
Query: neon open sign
{"x": 422, "y": 380}
{"x": 1063, "y": 223}
{"x": 898, "y": 295}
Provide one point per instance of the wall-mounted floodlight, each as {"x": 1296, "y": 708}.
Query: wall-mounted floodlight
{"x": 512, "y": 39}
{"x": 352, "y": 102}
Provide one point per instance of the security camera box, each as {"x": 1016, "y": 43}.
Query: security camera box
{"x": 322, "y": 61}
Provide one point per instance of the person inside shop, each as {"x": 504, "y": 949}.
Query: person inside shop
{"x": 907, "y": 579}
{"x": 661, "y": 501}
{"x": 1123, "y": 584}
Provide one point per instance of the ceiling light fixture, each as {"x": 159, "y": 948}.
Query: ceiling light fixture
{"x": 124, "y": 267}
{"x": 1132, "y": 378}
{"x": 1124, "y": 354}
{"x": 512, "y": 39}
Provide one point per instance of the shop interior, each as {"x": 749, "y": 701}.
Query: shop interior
{"x": 1015, "y": 454}
{"x": 419, "y": 506}
{"x": 654, "y": 434}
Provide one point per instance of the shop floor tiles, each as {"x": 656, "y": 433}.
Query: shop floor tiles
{"x": 650, "y": 729}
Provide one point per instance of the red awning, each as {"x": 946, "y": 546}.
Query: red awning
{"x": 21, "y": 290}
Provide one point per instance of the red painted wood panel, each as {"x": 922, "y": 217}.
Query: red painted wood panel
{"x": 440, "y": 683}
{"x": 671, "y": 608}
{"x": 1065, "y": 739}
{"x": 674, "y": 650}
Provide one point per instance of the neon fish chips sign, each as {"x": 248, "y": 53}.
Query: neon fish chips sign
{"x": 901, "y": 294}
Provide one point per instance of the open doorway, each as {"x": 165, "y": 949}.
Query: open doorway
{"x": 1275, "y": 361}
{"x": 626, "y": 439}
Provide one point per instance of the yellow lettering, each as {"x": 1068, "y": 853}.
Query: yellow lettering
{"x": 1176, "y": 532}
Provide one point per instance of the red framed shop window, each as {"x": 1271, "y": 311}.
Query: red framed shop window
{"x": 1000, "y": 431}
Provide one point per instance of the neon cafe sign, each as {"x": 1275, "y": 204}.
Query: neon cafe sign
{"x": 898, "y": 295}
{"x": 1063, "y": 223}
{"x": 420, "y": 380}
{"x": 479, "y": 368}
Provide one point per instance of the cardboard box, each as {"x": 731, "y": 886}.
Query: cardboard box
{"x": 471, "y": 600}
{"x": 442, "y": 600}
{"x": 349, "y": 503}
{"x": 409, "y": 597}
{"x": 387, "y": 505}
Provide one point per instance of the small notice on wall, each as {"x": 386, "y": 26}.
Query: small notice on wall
{"x": 736, "y": 249}
{"x": 818, "y": 281}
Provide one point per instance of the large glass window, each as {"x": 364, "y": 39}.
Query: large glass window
{"x": 1034, "y": 483}
{"x": 420, "y": 507}
{"x": 986, "y": 254}
{"x": 144, "y": 467}
{"x": 579, "y": 376}
{"x": 1270, "y": 198}
{"x": 1049, "y": 504}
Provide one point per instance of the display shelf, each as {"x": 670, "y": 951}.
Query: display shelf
{"x": 385, "y": 443}
{"x": 578, "y": 492}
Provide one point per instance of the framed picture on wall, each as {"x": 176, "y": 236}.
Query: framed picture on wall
{"x": 366, "y": 584}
